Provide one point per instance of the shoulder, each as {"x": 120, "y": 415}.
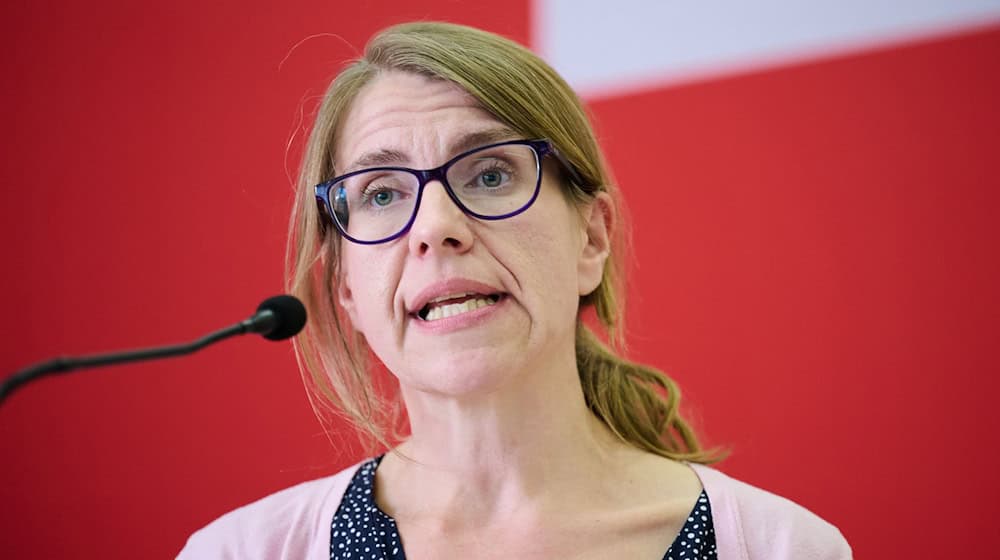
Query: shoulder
{"x": 751, "y": 523}
{"x": 292, "y": 523}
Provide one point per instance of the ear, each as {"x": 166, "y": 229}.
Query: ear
{"x": 599, "y": 219}
{"x": 344, "y": 295}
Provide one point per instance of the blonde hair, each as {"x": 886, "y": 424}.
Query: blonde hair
{"x": 639, "y": 404}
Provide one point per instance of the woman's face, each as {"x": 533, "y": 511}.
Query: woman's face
{"x": 527, "y": 272}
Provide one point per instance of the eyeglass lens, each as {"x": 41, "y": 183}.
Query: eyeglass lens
{"x": 492, "y": 182}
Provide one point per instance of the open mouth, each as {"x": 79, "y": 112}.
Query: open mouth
{"x": 455, "y": 304}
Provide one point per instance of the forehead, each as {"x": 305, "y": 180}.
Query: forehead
{"x": 417, "y": 117}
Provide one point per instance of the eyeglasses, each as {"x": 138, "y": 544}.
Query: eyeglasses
{"x": 493, "y": 182}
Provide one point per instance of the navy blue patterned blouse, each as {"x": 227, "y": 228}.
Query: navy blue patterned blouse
{"x": 360, "y": 530}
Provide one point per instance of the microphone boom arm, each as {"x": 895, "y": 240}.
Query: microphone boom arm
{"x": 265, "y": 321}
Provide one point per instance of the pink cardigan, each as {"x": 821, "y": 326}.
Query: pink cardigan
{"x": 294, "y": 524}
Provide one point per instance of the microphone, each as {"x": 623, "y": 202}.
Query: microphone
{"x": 277, "y": 318}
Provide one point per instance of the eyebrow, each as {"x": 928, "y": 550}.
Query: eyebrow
{"x": 482, "y": 138}
{"x": 378, "y": 158}
{"x": 387, "y": 157}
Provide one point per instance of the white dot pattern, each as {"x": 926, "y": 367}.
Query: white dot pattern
{"x": 362, "y": 531}
{"x": 696, "y": 540}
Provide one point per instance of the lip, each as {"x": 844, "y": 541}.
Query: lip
{"x": 448, "y": 287}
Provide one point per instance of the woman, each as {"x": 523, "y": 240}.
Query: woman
{"x": 461, "y": 222}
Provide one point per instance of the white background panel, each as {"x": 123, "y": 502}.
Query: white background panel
{"x": 607, "y": 47}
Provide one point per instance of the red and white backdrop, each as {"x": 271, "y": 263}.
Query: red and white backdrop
{"x": 813, "y": 189}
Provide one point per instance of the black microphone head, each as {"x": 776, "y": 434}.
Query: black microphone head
{"x": 289, "y": 313}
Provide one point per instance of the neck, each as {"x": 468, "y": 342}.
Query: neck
{"x": 491, "y": 454}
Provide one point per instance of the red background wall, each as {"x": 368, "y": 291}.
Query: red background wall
{"x": 815, "y": 263}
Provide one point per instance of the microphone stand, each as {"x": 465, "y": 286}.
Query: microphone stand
{"x": 264, "y": 321}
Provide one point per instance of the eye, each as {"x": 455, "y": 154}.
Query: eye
{"x": 383, "y": 197}
{"x": 380, "y": 196}
{"x": 491, "y": 178}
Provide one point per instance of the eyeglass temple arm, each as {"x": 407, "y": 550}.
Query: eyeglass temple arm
{"x": 574, "y": 175}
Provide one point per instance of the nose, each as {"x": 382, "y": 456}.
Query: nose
{"x": 440, "y": 225}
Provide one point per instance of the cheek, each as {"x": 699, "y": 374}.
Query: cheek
{"x": 368, "y": 287}
{"x": 547, "y": 269}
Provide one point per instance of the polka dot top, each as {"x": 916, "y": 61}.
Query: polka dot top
{"x": 362, "y": 531}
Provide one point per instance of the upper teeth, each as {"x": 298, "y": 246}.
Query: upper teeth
{"x": 451, "y": 296}
{"x": 444, "y": 311}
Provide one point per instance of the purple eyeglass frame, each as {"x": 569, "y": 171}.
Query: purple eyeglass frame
{"x": 541, "y": 147}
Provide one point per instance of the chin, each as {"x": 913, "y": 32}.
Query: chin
{"x": 467, "y": 374}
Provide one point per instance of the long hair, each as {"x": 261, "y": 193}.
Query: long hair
{"x": 638, "y": 403}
